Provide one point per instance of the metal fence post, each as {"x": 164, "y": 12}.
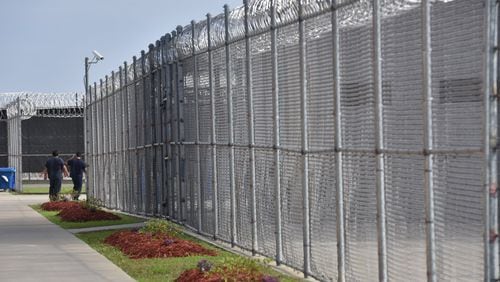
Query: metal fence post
{"x": 86, "y": 135}
{"x": 9, "y": 141}
{"x": 105, "y": 135}
{"x": 102, "y": 186}
{"x": 428, "y": 141}
{"x": 162, "y": 110}
{"x": 215, "y": 201}
{"x": 496, "y": 77}
{"x": 89, "y": 153}
{"x": 163, "y": 118}
{"x": 118, "y": 136}
{"x": 152, "y": 96}
{"x": 251, "y": 137}
{"x": 177, "y": 141}
{"x": 170, "y": 130}
{"x": 98, "y": 121}
{"x": 379, "y": 140}
{"x": 148, "y": 124}
{"x": 304, "y": 142}
{"x": 20, "y": 150}
{"x": 230, "y": 127}
{"x": 106, "y": 142}
{"x": 17, "y": 152}
{"x": 157, "y": 151}
{"x": 200, "y": 199}
{"x": 108, "y": 165}
{"x": 98, "y": 145}
{"x": 128, "y": 179}
{"x": 339, "y": 184}
{"x": 276, "y": 135}
{"x": 121, "y": 149}
{"x": 91, "y": 179}
{"x": 125, "y": 126}
{"x": 113, "y": 142}
{"x": 158, "y": 132}
{"x": 156, "y": 90}
{"x": 136, "y": 137}
{"x": 180, "y": 102}
{"x": 490, "y": 142}
{"x": 144, "y": 189}
{"x": 19, "y": 146}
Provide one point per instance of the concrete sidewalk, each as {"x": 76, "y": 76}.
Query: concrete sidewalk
{"x": 34, "y": 249}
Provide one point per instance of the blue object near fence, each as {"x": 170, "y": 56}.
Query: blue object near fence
{"x": 7, "y": 178}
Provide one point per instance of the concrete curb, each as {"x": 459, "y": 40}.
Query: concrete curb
{"x": 104, "y": 228}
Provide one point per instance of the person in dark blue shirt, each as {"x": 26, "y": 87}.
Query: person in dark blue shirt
{"x": 54, "y": 170}
{"x": 77, "y": 169}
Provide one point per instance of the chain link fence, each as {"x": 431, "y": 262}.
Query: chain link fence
{"x": 352, "y": 140}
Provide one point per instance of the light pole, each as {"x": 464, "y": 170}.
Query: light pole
{"x": 97, "y": 57}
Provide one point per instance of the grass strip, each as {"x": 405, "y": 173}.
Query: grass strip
{"x": 37, "y": 189}
{"x": 164, "y": 269}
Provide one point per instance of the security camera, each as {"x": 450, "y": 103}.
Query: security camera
{"x": 98, "y": 56}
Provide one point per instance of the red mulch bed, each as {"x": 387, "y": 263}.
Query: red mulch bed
{"x": 198, "y": 275}
{"x": 82, "y": 214}
{"x": 60, "y": 205}
{"x": 138, "y": 245}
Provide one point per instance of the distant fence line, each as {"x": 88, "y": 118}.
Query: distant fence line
{"x": 32, "y": 125}
{"x": 353, "y": 140}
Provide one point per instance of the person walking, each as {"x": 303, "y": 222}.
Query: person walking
{"x": 54, "y": 170}
{"x": 77, "y": 169}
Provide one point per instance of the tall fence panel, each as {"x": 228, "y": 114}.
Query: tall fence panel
{"x": 3, "y": 145}
{"x": 304, "y": 129}
{"x": 15, "y": 157}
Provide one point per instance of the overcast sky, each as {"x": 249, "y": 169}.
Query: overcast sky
{"x": 43, "y": 43}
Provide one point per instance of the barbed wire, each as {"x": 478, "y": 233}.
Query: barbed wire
{"x": 28, "y": 104}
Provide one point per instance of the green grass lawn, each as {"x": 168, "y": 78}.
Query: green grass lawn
{"x": 165, "y": 269}
{"x": 44, "y": 189}
{"x": 52, "y": 216}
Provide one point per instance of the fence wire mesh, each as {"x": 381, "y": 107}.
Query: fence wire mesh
{"x": 209, "y": 129}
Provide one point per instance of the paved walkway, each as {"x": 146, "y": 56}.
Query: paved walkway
{"x": 34, "y": 249}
